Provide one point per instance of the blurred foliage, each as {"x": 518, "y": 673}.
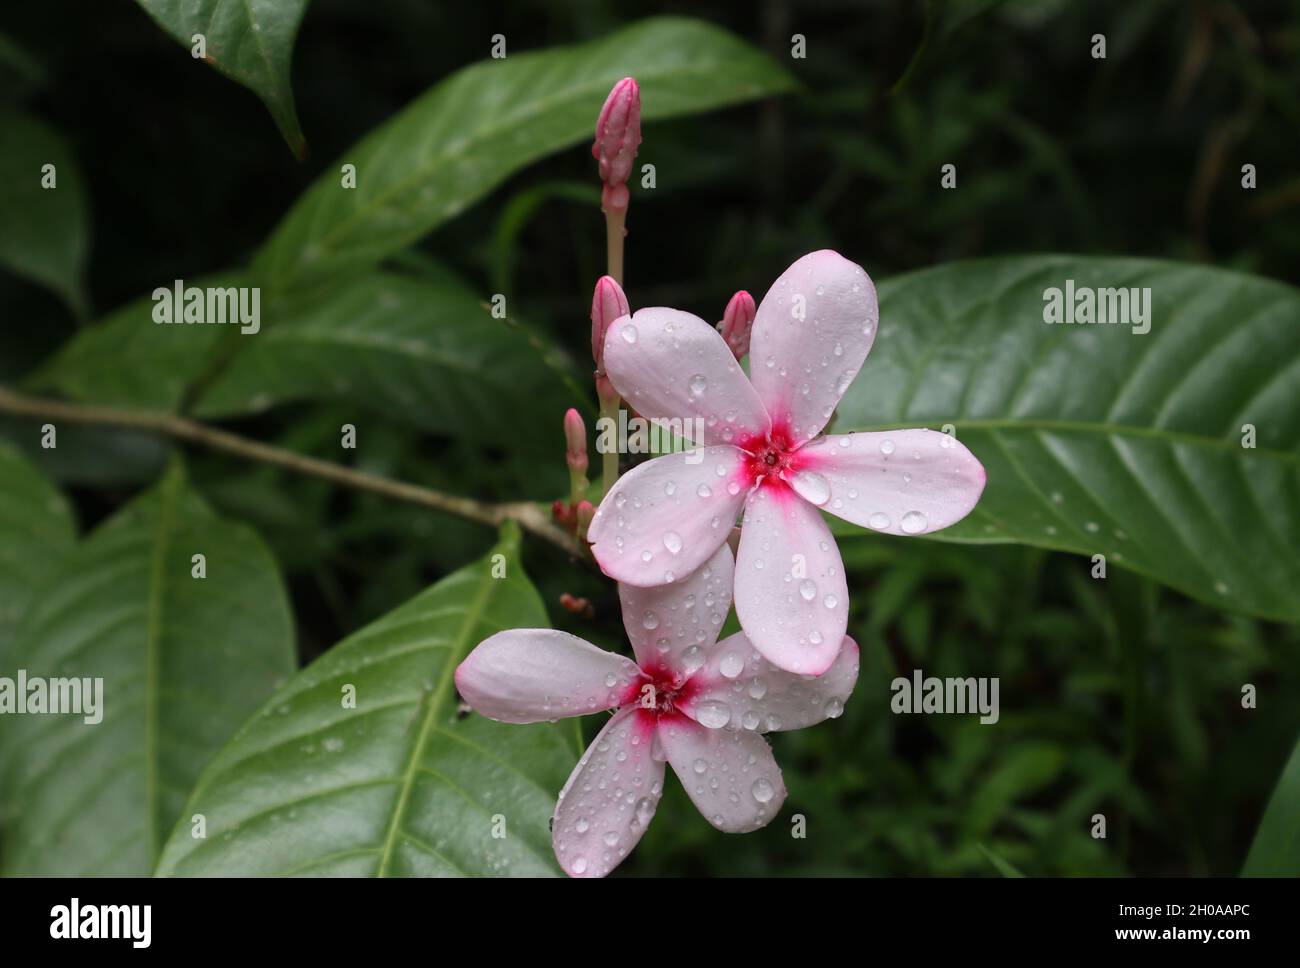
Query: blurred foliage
{"x": 1118, "y": 697}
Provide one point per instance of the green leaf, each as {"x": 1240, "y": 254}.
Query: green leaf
{"x": 1276, "y": 849}
{"x": 427, "y": 353}
{"x": 129, "y": 360}
{"x": 1098, "y": 440}
{"x": 478, "y": 126}
{"x": 250, "y": 41}
{"x": 183, "y": 662}
{"x": 36, "y": 530}
{"x": 46, "y": 230}
{"x": 401, "y": 784}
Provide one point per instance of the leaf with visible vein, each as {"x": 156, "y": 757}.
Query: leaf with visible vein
{"x": 468, "y": 133}
{"x": 1101, "y": 441}
{"x": 401, "y": 784}
{"x": 183, "y": 660}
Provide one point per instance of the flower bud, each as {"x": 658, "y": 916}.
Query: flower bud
{"x": 607, "y": 304}
{"x": 618, "y": 134}
{"x": 738, "y": 322}
{"x": 575, "y": 440}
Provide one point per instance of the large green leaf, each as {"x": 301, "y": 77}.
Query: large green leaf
{"x": 129, "y": 360}
{"x": 469, "y": 132}
{"x": 36, "y": 530}
{"x": 183, "y": 660}
{"x": 1098, "y": 440}
{"x": 403, "y": 784}
{"x": 426, "y": 353}
{"x": 250, "y": 41}
{"x": 44, "y": 231}
{"x": 1276, "y": 849}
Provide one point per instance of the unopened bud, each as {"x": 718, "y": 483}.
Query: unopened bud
{"x": 583, "y": 513}
{"x": 575, "y": 454}
{"x": 618, "y": 134}
{"x": 738, "y": 322}
{"x": 607, "y": 304}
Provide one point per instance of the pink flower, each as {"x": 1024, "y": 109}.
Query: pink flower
{"x": 699, "y": 704}
{"x": 760, "y": 450}
{"x": 618, "y": 135}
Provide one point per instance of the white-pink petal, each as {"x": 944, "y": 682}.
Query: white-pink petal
{"x": 673, "y": 627}
{"x": 897, "y": 481}
{"x": 531, "y": 675}
{"x": 610, "y": 797}
{"x": 671, "y": 365}
{"x": 666, "y": 517}
{"x": 811, "y": 335}
{"x": 729, "y": 774}
{"x": 791, "y": 596}
{"x": 760, "y": 697}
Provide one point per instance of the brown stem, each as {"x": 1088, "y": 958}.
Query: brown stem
{"x": 531, "y": 517}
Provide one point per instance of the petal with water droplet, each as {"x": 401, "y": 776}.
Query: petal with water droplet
{"x": 893, "y": 489}
{"x": 641, "y": 533}
{"x": 734, "y": 761}
{"x": 839, "y": 310}
{"x": 685, "y": 614}
{"x": 788, "y": 535}
{"x": 680, "y": 368}
{"x": 614, "y": 789}
{"x": 533, "y": 675}
{"x": 794, "y": 700}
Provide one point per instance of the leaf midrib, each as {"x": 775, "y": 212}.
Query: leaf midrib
{"x": 1085, "y": 426}
{"x": 437, "y": 698}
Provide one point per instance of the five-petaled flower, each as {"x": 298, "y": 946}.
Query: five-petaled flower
{"x": 761, "y": 451}
{"x": 699, "y": 704}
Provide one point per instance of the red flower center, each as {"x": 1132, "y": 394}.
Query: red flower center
{"x": 768, "y": 457}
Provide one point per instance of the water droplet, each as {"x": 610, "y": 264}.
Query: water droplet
{"x": 913, "y": 522}
{"x": 713, "y": 714}
{"x": 581, "y": 826}
{"x": 808, "y": 589}
{"x": 611, "y": 681}
{"x": 670, "y": 488}
{"x": 698, "y": 385}
{"x": 610, "y": 838}
{"x": 879, "y": 520}
{"x": 704, "y": 491}
{"x": 811, "y": 486}
{"x": 700, "y": 766}
{"x": 834, "y": 709}
{"x": 757, "y": 688}
{"x": 646, "y": 555}
{"x": 815, "y": 637}
{"x": 750, "y": 720}
{"x": 650, "y": 620}
{"x": 692, "y": 659}
{"x": 773, "y": 722}
{"x": 830, "y": 601}
{"x": 629, "y": 333}
{"x": 733, "y": 488}
{"x": 763, "y": 790}
{"x": 1092, "y": 526}
{"x": 886, "y": 446}
{"x": 672, "y": 541}
{"x": 731, "y": 665}
{"x": 580, "y": 865}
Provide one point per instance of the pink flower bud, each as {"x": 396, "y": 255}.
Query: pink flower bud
{"x": 738, "y": 322}
{"x": 575, "y": 440}
{"x": 618, "y": 133}
{"x": 607, "y": 304}
{"x": 583, "y": 514}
